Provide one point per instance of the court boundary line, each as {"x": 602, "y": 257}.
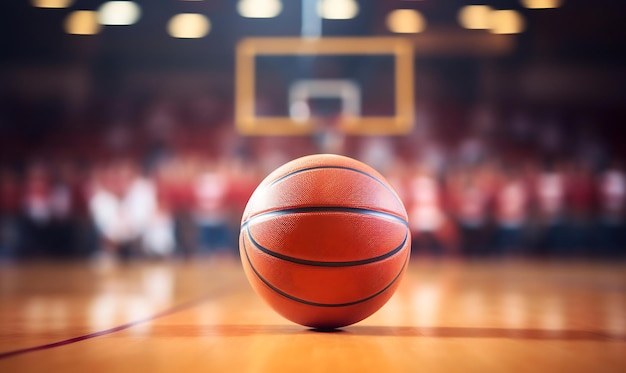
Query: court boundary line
{"x": 167, "y": 312}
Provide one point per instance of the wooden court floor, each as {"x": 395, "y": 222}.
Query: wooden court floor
{"x": 447, "y": 316}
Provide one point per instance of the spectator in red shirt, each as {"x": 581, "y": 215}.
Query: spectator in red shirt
{"x": 211, "y": 213}
{"x": 511, "y": 213}
{"x": 550, "y": 193}
{"x": 10, "y": 196}
{"x": 470, "y": 199}
{"x": 431, "y": 228}
{"x": 581, "y": 203}
{"x": 37, "y": 210}
{"x": 612, "y": 227}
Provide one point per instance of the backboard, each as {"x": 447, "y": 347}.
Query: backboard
{"x": 298, "y": 121}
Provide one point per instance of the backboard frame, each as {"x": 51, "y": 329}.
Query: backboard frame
{"x": 248, "y": 123}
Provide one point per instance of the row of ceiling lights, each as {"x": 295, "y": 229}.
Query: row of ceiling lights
{"x": 195, "y": 25}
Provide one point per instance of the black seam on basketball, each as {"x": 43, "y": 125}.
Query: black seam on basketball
{"x": 317, "y": 263}
{"x": 338, "y": 168}
{"x": 315, "y": 304}
{"x": 323, "y": 168}
{"x": 353, "y": 210}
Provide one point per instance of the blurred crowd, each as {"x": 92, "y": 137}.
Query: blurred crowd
{"x": 486, "y": 191}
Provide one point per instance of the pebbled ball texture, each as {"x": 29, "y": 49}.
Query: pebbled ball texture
{"x": 325, "y": 241}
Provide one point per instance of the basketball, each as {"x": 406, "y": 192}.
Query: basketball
{"x": 324, "y": 241}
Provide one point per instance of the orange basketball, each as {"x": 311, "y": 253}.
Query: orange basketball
{"x": 325, "y": 240}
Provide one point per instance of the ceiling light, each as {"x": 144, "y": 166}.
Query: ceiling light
{"x": 259, "y": 8}
{"x": 52, "y": 3}
{"x": 189, "y": 26}
{"x": 475, "y": 17}
{"x": 406, "y": 21}
{"x": 337, "y": 9}
{"x": 506, "y": 22}
{"x": 119, "y": 13}
{"x": 82, "y": 22}
{"x": 541, "y": 4}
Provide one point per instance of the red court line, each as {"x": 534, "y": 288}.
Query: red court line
{"x": 167, "y": 312}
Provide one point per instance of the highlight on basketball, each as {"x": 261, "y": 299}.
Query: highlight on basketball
{"x": 312, "y": 185}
